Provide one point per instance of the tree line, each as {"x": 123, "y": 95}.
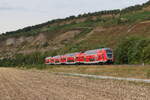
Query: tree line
{"x": 131, "y": 50}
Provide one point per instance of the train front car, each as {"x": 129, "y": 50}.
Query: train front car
{"x": 109, "y": 55}
{"x": 99, "y": 56}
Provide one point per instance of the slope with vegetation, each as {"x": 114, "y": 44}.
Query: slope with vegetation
{"x": 126, "y": 31}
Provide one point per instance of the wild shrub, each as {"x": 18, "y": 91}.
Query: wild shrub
{"x": 133, "y": 50}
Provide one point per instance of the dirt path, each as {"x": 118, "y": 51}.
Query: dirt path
{"x": 40, "y": 85}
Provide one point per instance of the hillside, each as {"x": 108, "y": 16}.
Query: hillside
{"x": 76, "y": 33}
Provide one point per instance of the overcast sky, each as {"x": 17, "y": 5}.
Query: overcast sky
{"x": 16, "y": 14}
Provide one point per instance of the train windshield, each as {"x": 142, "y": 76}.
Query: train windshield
{"x": 109, "y": 53}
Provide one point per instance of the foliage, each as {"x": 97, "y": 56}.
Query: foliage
{"x": 36, "y": 58}
{"x": 138, "y": 16}
{"x": 133, "y": 50}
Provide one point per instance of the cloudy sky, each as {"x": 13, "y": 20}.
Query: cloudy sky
{"x": 16, "y": 14}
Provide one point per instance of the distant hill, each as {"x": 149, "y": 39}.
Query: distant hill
{"x": 76, "y": 33}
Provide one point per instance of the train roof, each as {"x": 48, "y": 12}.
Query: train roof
{"x": 56, "y": 56}
{"x": 98, "y": 49}
{"x": 72, "y": 54}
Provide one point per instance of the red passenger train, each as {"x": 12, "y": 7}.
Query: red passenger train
{"x": 97, "y": 56}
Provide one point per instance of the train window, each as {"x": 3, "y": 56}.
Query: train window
{"x": 108, "y": 51}
{"x": 109, "y": 55}
{"x": 63, "y": 58}
{"x": 52, "y": 59}
{"x": 70, "y": 61}
{"x": 56, "y": 61}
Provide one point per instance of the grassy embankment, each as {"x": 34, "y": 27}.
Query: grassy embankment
{"x": 129, "y": 71}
